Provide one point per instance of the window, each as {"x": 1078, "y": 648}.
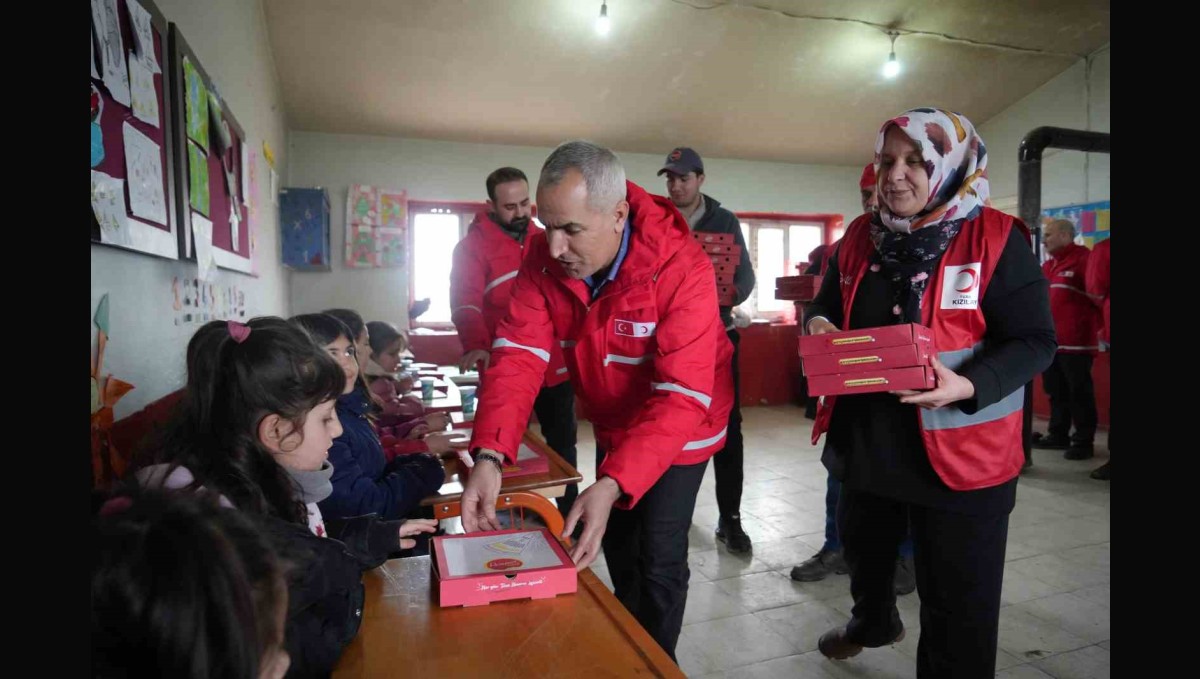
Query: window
{"x": 776, "y": 247}
{"x": 436, "y": 228}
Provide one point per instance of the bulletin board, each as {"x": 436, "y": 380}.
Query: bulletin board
{"x": 210, "y": 174}
{"x": 133, "y": 197}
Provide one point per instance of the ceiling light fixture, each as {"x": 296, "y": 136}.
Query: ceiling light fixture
{"x": 891, "y": 69}
{"x": 602, "y": 23}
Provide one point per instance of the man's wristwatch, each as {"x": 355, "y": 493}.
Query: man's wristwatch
{"x": 490, "y": 457}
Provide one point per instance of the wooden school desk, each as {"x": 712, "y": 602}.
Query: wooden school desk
{"x": 405, "y": 633}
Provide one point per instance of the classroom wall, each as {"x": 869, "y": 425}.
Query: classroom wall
{"x": 1076, "y": 99}
{"x": 439, "y": 170}
{"x": 145, "y": 346}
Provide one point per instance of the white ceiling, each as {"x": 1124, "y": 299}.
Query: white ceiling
{"x": 734, "y": 81}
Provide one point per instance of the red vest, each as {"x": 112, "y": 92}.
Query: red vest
{"x": 968, "y": 452}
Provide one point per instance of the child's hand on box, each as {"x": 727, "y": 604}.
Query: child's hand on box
{"x": 413, "y": 527}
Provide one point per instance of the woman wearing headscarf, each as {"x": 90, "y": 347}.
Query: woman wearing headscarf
{"x": 943, "y": 461}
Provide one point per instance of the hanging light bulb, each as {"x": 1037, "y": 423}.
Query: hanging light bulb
{"x": 602, "y": 24}
{"x": 891, "y": 69}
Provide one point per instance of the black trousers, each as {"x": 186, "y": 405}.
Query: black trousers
{"x": 727, "y": 463}
{"x": 646, "y": 549}
{"x": 959, "y": 562}
{"x": 555, "y": 408}
{"x": 1068, "y": 383}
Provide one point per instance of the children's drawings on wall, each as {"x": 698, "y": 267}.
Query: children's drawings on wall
{"x": 196, "y": 302}
{"x": 144, "y": 173}
{"x": 112, "y": 49}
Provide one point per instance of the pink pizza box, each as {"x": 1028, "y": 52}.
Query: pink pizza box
{"x": 478, "y": 568}
{"x": 864, "y": 338}
{"x": 705, "y": 237}
{"x": 896, "y": 379}
{"x": 870, "y": 359}
{"x": 723, "y": 249}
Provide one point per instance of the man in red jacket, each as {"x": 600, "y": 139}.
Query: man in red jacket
{"x": 1098, "y": 274}
{"x": 485, "y": 266}
{"x": 1068, "y": 381}
{"x": 618, "y": 282}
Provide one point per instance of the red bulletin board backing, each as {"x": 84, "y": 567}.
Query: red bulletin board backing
{"x": 229, "y": 255}
{"x": 113, "y": 117}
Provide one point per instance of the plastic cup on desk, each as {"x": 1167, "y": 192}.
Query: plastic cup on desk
{"x": 468, "y": 401}
{"x": 427, "y": 388}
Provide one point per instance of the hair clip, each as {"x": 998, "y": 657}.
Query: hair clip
{"x": 239, "y": 331}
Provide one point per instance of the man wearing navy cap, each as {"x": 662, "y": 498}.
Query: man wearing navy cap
{"x": 685, "y": 176}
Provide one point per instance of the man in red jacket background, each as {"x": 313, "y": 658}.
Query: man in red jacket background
{"x": 619, "y": 283}
{"x": 1068, "y": 380}
{"x": 486, "y": 262}
{"x": 1098, "y": 274}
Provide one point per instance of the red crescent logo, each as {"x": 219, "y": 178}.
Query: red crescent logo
{"x": 971, "y": 280}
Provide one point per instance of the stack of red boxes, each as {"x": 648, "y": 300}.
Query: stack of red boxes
{"x": 867, "y": 360}
{"x": 802, "y": 288}
{"x": 725, "y": 255}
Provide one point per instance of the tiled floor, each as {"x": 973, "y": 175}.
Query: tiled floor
{"x": 746, "y": 618}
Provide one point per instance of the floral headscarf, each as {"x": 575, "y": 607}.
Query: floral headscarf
{"x": 955, "y": 160}
{"x": 908, "y": 248}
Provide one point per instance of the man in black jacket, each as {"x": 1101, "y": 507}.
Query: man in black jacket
{"x": 685, "y": 176}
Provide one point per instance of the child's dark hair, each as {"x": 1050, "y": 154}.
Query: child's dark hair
{"x": 383, "y": 335}
{"x": 352, "y": 320}
{"x": 232, "y": 385}
{"x": 323, "y": 328}
{"x": 182, "y": 588}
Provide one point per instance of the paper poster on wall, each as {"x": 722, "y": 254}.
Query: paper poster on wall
{"x": 245, "y": 173}
{"x": 202, "y": 235}
{"x": 144, "y": 173}
{"x": 97, "y": 130}
{"x": 108, "y": 204}
{"x": 143, "y": 35}
{"x": 390, "y": 242}
{"x": 141, "y": 84}
{"x": 95, "y": 73}
{"x": 112, "y": 50}
{"x": 251, "y": 176}
{"x": 195, "y": 104}
{"x": 234, "y": 225}
{"x": 360, "y": 246}
{"x": 362, "y": 206}
{"x": 393, "y": 208}
{"x": 197, "y": 178}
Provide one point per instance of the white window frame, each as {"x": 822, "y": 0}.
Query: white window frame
{"x": 762, "y": 286}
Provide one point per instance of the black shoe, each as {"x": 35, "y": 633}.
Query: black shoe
{"x": 906, "y": 578}
{"x": 1101, "y": 473}
{"x": 1080, "y": 451}
{"x": 729, "y": 531}
{"x": 820, "y": 565}
{"x": 1050, "y": 442}
{"x": 835, "y": 646}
